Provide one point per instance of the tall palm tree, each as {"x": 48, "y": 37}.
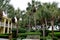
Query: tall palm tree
{"x": 41, "y": 16}
{"x": 29, "y": 14}
{"x": 10, "y": 11}
{"x": 17, "y": 14}
{"x": 52, "y": 9}
{"x": 32, "y": 11}
{"x": 58, "y": 19}
{"x": 44, "y": 15}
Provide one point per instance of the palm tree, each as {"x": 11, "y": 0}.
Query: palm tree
{"x": 41, "y": 16}
{"x": 29, "y": 14}
{"x": 32, "y": 12}
{"x": 52, "y": 9}
{"x": 58, "y": 19}
{"x": 17, "y": 14}
{"x": 10, "y": 11}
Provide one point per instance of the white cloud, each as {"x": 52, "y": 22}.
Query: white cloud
{"x": 22, "y": 4}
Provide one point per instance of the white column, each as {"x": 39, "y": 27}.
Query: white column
{"x": 8, "y": 26}
{"x": 4, "y": 26}
{"x": 11, "y": 27}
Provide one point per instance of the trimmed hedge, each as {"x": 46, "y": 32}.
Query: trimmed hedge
{"x": 56, "y": 34}
{"x": 30, "y": 33}
{"x": 22, "y": 30}
{"x": 4, "y": 35}
{"x": 46, "y": 38}
{"x": 24, "y": 35}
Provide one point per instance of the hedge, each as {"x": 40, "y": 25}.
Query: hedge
{"x": 4, "y": 35}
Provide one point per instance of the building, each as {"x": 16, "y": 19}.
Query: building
{"x": 5, "y": 24}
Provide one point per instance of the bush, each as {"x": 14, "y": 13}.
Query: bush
{"x": 23, "y": 36}
{"x": 32, "y": 30}
{"x": 42, "y": 38}
{"x": 14, "y": 33}
{"x": 55, "y": 38}
{"x": 57, "y": 34}
{"x": 22, "y": 30}
{"x": 46, "y": 32}
{"x": 4, "y": 35}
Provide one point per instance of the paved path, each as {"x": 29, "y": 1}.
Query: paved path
{"x": 31, "y": 39}
{"x": 3, "y": 39}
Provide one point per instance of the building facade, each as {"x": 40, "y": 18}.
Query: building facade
{"x": 5, "y": 24}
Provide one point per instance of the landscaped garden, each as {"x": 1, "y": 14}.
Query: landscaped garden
{"x": 38, "y": 21}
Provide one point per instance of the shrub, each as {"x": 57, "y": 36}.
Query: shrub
{"x": 14, "y": 32}
{"x": 55, "y": 38}
{"x": 21, "y": 30}
{"x": 32, "y": 30}
{"x": 4, "y": 35}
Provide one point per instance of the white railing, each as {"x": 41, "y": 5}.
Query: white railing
{"x": 2, "y": 24}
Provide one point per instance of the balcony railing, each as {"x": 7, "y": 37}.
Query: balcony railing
{"x": 2, "y": 24}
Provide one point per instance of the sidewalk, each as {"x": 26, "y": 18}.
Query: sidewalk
{"x": 3, "y": 39}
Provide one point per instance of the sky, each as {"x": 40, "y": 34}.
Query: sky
{"x": 22, "y": 4}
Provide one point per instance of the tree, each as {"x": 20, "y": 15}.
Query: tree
{"x": 17, "y": 14}
{"x": 10, "y": 11}
{"x": 32, "y": 13}
{"x": 29, "y": 14}
{"x": 52, "y": 10}
{"x": 58, "y": 18}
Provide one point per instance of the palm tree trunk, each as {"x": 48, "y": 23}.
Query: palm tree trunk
{"x": 17, "y": 30}
{"x": 29, "y": 24}
{"x": 34, "y": 21}
{"x": 52, "y": 24}
{"x": 46, "y": 23}
{"x": 59, "y": 28}
{"x": 43, "y": 31}
{"x": 17, "y": 26}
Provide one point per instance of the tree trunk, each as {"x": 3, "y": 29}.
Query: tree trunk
{"x": 17, "y": 30}
{"x": 43, "y": 31}
{"x": 59, "y": 28}
{"x": 29, "y": 24}
{"x": 52, "y": 24}
{"x": 46, "y": 23}
{"x": 34, "y": 21}
{"x": 17, "y": 26}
